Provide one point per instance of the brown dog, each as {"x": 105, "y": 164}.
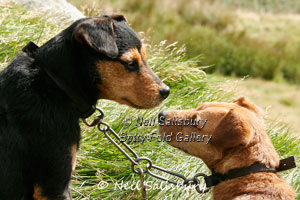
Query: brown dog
{"x": 235, "y": 138}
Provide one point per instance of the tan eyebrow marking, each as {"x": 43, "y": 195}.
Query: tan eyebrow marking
{"x": 131, "y": 55}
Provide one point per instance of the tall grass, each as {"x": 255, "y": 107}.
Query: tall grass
{"x": 217, "y": 31}
{"x": 18, "y": 27}
{"x": 100, "y": 165}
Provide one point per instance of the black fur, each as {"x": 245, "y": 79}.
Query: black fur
{"x": 38, "y": 121}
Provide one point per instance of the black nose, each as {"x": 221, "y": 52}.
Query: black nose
{"x": 161, "y": 116}
{"x": 165, "y": 91}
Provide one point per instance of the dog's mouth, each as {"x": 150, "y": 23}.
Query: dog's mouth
{"x": 130, "y": 103}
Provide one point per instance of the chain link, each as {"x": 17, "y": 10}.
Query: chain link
{"x": 135, "y": 159}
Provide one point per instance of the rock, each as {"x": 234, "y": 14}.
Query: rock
{"x": 59, "y": 10}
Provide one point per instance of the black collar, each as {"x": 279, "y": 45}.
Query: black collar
{"x": 216, "y": 178}
{"x": 80, "y": 103}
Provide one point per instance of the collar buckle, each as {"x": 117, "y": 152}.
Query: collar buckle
{"x": 30, "y": 48}
{"x": 286, "y": 163}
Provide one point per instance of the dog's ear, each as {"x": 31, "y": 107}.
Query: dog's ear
{"x": 98, "y": 33}
{"x": 116, "y": 17}
{"x": 233, "y": 130}
{"x": 199, "y": 122}
{"x": 242, "y": 101}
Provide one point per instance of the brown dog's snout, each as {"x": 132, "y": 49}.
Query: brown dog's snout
{"x": 162, "y": 116}
{"x": 165, "y": 91}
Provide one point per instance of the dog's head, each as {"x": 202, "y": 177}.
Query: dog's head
{"x": 119, "y": 57}
{"x": 236, "y": 132}
{"x": 103, "y": 58}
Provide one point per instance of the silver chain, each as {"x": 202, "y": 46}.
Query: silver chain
{"x": 135, "y": 159}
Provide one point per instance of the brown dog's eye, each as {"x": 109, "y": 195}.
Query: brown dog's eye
{"x": 131, "y": 66}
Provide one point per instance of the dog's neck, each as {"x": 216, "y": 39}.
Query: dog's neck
{"x": 61, "y": 60}
{"x": 256, "y": 151}
{"x": 244, "y": 157}
{"x": 254, "y": 186}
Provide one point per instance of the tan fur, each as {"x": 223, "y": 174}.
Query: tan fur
{"x": 117, "y": 17}
{"x": 144, "y": 51}
{"x": 138, "y": 89}
{"x": 37, "y": 195}
{"x": 81, "y": 36}
{"x": 256, "y": 186}
{"x": 238, "y": 140}
{"x": 132, "y": 55}
{"x": 73, "y": 152}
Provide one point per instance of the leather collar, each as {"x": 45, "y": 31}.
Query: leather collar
{"x": 216, "y": 178}
{"x": 80, "y": 103}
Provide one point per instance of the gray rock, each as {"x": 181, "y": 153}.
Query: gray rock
{"x": 59, "y": 10}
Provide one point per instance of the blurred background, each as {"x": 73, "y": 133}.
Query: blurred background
{"x": 236, "y": 38}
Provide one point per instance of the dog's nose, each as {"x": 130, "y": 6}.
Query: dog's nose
{"x": 165, "y": 91}
{"x": 161, "y": 116}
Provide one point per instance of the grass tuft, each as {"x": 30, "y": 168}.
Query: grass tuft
{"x": 18, "y": 27}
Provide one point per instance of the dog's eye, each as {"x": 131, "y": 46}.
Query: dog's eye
{"x": 132, "y": 66}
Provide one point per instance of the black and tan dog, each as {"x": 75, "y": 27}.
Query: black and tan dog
{"x": 44, "y": 93}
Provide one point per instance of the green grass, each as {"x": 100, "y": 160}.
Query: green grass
{"x": 99, "y": 162}
{"x": 287, "y": 102}
{"x": 274, "y": 6}
{"x": 217, "y": 31}
{"x": 18, "y": 27}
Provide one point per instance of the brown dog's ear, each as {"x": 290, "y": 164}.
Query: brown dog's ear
{"x": 232, "y": 131}
{"x": 98, "y": 33}
{"x": 242, "y": 101}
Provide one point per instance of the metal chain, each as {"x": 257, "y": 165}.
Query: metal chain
{"x": 135, "y": 159}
